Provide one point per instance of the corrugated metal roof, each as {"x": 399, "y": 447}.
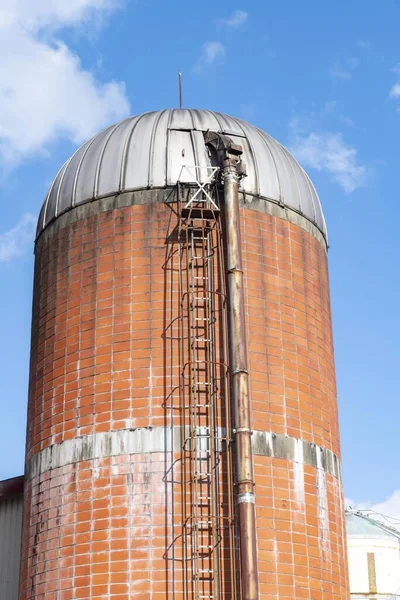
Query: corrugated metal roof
{"x": 10, "y": 546}
{"x": 148, "y": 151}
{"x": 359, "y": 525}
{"x": 12, "y": 487}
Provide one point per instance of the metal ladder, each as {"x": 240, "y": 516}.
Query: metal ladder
{"x": 209, "y": 547}
{"x": 201, "y": 435}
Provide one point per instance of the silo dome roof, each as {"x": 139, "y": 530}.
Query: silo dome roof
{"x": 149, "y": 150}
{"x": 359, "y": 525}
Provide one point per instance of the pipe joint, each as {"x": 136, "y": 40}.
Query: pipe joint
{"x": 239, "y": 372}
{"x": 234, "y": 270}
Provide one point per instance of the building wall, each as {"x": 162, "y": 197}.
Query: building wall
{"x": 103, "y": 497}
{"x": 10, "y": 545}
{"x": 374, "y": 568}
{"x": 299, "y": 506}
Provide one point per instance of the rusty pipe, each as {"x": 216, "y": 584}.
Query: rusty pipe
{"x": 240, "y": 382}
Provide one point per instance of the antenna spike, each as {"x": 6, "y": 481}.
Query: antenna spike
{"x": 180, "y": 88}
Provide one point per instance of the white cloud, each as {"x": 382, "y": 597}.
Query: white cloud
{"x": 236, "y": 19}
{"x": 338, "y": 72}
{"x": 389, "y": 508}
{"x": 347, "y": 121}
{"x": 344, "y": 69}
{"x": 212, "y": 53}
{"x": 36, "y": 14}
{"x": 44, "y": 90}
{"x": 329, "y": 152}
{"x": 365, "y": 44}
{"x": 15, "y": 241}
{"x": 395, "y": 91}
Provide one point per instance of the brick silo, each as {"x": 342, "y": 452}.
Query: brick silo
{"x": 180, "y": 355}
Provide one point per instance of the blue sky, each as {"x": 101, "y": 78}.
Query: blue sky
{"x": 323, "y": 78}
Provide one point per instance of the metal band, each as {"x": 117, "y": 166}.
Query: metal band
{"x": 159, "y": 439}
{"x": 235, "y": 270}
{"x": 246, "y": 498}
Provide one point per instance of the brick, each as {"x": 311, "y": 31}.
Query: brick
{"x": 105, "y": 355}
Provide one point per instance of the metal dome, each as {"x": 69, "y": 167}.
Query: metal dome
{"x": 359, "y": 525}
{"x": 149, "y": 150}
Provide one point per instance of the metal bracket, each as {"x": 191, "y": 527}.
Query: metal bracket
{"x": 192, "y": 172}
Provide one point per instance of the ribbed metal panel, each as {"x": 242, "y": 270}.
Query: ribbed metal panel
{"x": 149, "y": 151}
{"x": 10, "y": 546}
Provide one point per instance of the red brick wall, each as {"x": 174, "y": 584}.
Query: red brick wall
{"x": 301, "y": 531}
{"x": 290, "y": 332}
{"x": 103, "y": 527}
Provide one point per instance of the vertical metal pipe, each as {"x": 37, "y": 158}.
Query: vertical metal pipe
{"x": 240, "y": 383}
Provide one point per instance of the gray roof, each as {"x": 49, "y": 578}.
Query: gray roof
{"x": 359, "y": 525}
{"x": 149, "y": 150}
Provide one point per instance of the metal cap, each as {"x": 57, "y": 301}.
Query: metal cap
{"x": 148, "y": 151}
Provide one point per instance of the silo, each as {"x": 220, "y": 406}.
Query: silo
{"x": 182, "y": 422}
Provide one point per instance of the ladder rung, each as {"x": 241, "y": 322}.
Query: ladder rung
{"x": 208, "y": 522}
{"x": 205, "y": 571}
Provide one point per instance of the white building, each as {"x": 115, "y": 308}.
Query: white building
{"x": 374, "y": 558}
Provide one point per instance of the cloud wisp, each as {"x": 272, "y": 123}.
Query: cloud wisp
{"x": 212, "y": 53}
{"x": 45, "y": 91}
{"x": 15, "y": 241}
{"x": 395, "y": 89}
{"x": 236, "y": 20}
{"x": 327, "y": 151}
{"x": 344, "y": 69}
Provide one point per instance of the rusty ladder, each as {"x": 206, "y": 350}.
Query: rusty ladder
{"x": 208, "y": 519}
